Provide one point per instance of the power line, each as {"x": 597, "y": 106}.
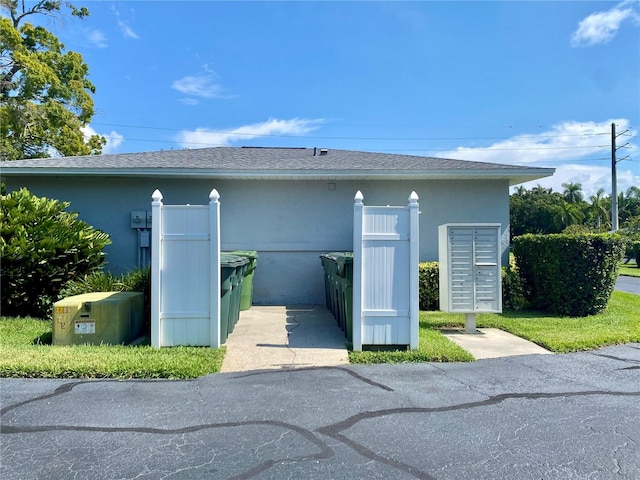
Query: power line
{"x": 232, "y": 132}
{"x": 208, "y": 144}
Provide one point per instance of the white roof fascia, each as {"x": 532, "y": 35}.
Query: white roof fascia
{"x": 517, "y": 176}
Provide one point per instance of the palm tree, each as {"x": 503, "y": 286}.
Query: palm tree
{"x": 633, "y": 201}
{"x": 566, "y": 214}
{"x": 598, "y": 208}
{"x": 540, "y": 190}
{"x": 573, "y": 192}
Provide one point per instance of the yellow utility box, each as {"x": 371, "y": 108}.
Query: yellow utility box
{"x": 100, "y": 317}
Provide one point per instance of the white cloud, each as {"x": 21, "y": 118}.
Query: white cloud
{"x": 203, "y": 86}
{"x": 203, "y": 137}
{"x": 579, "y": 151}
{"x": 591, "y": 178}
{"x": 114, "y": 139}
{"x": 126, "y": 30}
{"x": 564, "y": 141}
{"x": 189, "y": 101}
{"x": 601, "y": 27}
{"x": 97, "y": 38}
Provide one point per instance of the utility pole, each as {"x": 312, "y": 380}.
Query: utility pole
{"x": 614, "y": 181}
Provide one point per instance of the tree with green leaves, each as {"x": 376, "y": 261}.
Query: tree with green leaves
{"x": 599, "y": 210}
{"x": 573, "y": 192}
{"x": 45, "y": 95}
{"x": 536, "y": 211}
{"x": 628, "y": 204}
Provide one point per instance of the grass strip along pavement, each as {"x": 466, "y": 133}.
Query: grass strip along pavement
{"x": 25, "y": 349}
{"x": 618, "y": 324}
{"x": 629, "y": 269}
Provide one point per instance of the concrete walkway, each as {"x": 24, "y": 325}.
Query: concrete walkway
{"x": 493, "y": 343}
{"x": 307, "y": 336}
{"x": 284, "y": 338}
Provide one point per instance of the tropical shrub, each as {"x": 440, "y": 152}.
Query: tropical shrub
{"x": 42, "y": 247}
{"x": 137, "y": 280}
{"x": 571, "y": 275}
{"x": 512, "y": 289}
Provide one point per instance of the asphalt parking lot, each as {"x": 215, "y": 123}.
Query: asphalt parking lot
{"x": 532, "y": 416}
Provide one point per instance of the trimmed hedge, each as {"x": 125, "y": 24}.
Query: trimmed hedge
{"x": 570, "y": 275}
{"x": 42, "y": 247}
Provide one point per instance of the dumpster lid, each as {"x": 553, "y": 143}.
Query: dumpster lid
{"x": 343, "y": 260}
{"x": 332, "y": 256}
{"x": 250, "y": 254}
{"x": 228, "y": 260}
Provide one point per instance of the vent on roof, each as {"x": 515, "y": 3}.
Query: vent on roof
{"x": 323, "y": 151}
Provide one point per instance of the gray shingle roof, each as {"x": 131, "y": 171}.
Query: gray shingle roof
{"x": 256, "y": 162}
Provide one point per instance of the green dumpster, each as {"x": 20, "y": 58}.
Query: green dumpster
{"x": 237, "y": 278}
{"x": 327, "y": 294}
{"x": 247, "y": 283}
{"x": 331, "y": 284}
{"x": 334, "y": 285}
{"x": 345, "y": 281}
{"x": 227, "y": 272}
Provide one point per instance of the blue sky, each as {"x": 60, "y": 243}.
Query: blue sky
{"x": 526, "y": 83}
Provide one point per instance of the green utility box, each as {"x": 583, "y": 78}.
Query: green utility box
{"x": 246, "y": 297}
{"x": 98, "y": 318}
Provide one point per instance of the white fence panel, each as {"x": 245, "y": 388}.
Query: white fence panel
{"x": 385, "y": 274}
{"x": 185, "y": 273}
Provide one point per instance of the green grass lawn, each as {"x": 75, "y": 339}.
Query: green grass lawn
{"x": 618, "y": 324}
{"x": 630, "y": 269}
{"x": 432, "y": 347}
{"x": 25, "y": 351}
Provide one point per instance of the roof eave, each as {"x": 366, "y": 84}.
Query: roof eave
{"x": 515, "y": 176}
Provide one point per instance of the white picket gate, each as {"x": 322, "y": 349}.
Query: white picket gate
{"x": 185, "y": 273}
{"x": 385, "y": 274}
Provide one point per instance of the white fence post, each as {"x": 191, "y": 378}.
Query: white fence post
{"x": 358, "y": 209}
{"x": 156, "y": 265}
{"x": 214, "y": 245}
{"x": 414, "y": 259}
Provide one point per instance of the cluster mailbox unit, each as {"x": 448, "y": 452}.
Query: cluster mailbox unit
{"x": 470, "y": 269}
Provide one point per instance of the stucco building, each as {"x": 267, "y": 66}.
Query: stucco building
{"x": 289, "y": 204}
